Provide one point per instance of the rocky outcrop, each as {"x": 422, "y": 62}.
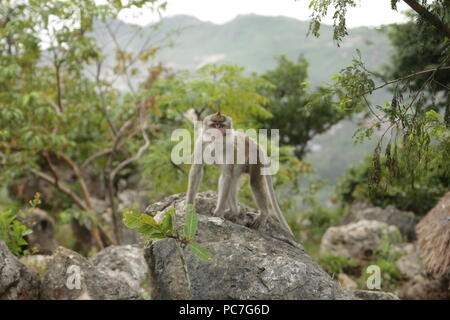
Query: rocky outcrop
{"x": 70, "y": 276}
{"x": 403, "y": 220}
{"x": 248, "y": 264}
{"x": 357, "y": 240}
{"x": 16, "y": 280}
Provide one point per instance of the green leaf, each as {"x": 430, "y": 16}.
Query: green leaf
{"x": 190, "y": 224}
{"x": 167, "y": 225}
{"x": 201, "y": 252}
{"x": 147, "y": 229}
{"x": 147, "y": 219}
{"x": 132, "y": 219}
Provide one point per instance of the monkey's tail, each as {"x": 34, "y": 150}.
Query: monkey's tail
{"x": 279, "y": 214}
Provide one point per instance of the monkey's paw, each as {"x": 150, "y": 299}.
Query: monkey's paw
{"x": 259, "y": 222}
{"x": 219, "y": 214}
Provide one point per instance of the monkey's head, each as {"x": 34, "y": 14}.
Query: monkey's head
{"x": 218, "y": 121}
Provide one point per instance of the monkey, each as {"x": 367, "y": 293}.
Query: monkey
{"x": 218, "y": 125}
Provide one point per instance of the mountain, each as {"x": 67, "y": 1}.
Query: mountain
{"x": 253, "y": 41}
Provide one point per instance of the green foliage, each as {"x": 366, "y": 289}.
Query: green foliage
{"x": 212, "y": 88}
{"x": 311, "y": 223}
{"x": 388, "y": 182}
{"x": 335, "y": 265}
{"x": 167, "y": 228}
{"x": 417, "y": 46}
{"x": 320, "y": 10}
{"x": 13, "y": 232}
{"x": 417, "y": 149}
{"x": 299, "y": 112}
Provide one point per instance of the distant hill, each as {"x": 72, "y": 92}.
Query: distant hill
{"x": 253, "y": 41}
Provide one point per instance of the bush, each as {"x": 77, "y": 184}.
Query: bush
{"x": 419, "y": 196}
{"x": 13, "y": 232}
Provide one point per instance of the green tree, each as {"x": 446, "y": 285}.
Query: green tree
{"x": 419, "y": 47}
{"x": 62, "y": 120}
{"x": 412, "y": 135}
{"x": 298, "y": 112}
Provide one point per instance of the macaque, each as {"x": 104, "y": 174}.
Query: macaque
{"x": 217, "y": 129}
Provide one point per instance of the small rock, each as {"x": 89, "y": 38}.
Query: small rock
{"x": 17, "y": 282}
{"x": 346, "y": 282}
{"x": 357, "y": 240}
{"x": 70, "y": 276}
{"x": 404, "y": 220}
{"x": 426, "y": 287}
{"x": 126, "y": 263}
{"x": 37, "y": 262}
{"x": 410, "y": 265}
{"x": 375, "y": 295}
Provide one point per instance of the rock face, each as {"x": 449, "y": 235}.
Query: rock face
{"x": 16, "y": 280}
{"x": 403, "y": 220}
{"x": 248, "y": 264}
{"x": 70, "y": 276}
{"x": 357, "y": 240}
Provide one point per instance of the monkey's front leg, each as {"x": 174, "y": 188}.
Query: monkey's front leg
{"x": 224, "y": 190}
{"x": 195, "y": 177}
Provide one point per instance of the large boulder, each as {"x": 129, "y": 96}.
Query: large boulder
{"x": 16, "y": 280}
{"x": 70, "y": 276}
{"x": 248, "y": 264}
{"x": 404, "y": 220}
{"x": 358, "y": 240}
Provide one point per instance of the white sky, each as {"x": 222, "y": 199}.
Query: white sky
{"x": 369, "y": 13}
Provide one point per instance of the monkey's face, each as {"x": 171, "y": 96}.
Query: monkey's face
{"x": 218, "y": 122}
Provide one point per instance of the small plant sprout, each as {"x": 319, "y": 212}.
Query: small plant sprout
{"x": 167, "y": 228}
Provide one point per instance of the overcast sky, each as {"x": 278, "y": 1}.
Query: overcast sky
{"x": 369, "y": 13}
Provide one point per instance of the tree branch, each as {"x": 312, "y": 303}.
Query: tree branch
{"x": 62, "y": 188}
{"x": 428, "y": 16}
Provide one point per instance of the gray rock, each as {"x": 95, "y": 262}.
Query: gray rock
{"x": 425, "y": 287}
{"x": 125, "y": 263}
{"x": 16, "y": 280}
{"x": 37, "y": 262}
{"x": 404, "y": 220}
{"x": 70, "y": 276}
{"x": 375, "y": 295}
{"x": 42, "y": 239}
{"x": 248, "y": 264}
{"x": 357, "y": 240}
{"x": 410, "y": 265}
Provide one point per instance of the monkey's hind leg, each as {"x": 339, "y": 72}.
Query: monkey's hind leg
{"x": 232, "y": 203}
{"x": 261, "y": 197}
